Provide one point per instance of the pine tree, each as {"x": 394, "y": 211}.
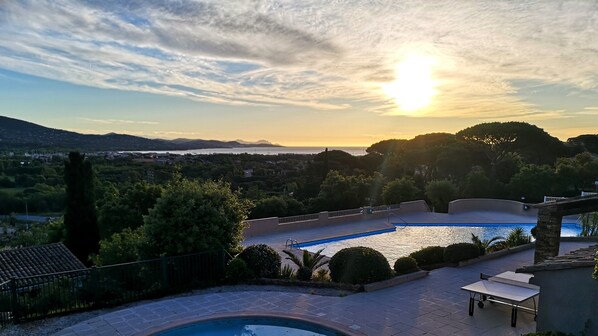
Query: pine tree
{"x": 80, "y": 218}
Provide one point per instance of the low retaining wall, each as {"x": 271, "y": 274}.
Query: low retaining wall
{"x": 489, "y": 204}
{"x": 272, "y": 225}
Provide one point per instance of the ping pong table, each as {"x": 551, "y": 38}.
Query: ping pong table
{"x": 507, "y": 288}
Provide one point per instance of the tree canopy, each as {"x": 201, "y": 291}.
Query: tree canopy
{"x": 193, "y": 216}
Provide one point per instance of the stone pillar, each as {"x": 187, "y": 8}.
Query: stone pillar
{"x": 548, "y": 235}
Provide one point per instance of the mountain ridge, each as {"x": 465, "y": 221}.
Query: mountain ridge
{"x": 25, "y": 135}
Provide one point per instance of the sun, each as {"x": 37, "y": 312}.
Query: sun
{"x": 414, "y": 86}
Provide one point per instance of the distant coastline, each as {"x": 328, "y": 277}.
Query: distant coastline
{"x": 271, "y": 150}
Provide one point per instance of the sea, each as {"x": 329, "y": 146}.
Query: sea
{"x": 355, "y": 151}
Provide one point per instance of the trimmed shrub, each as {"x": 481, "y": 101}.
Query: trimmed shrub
{"x": 461, "y": 251}
{"x": 405, "y": 265}
{"x": 263, "y": 260}
{"x": 429, "y": 256}
{"x": 359, "y": 265}
{"x": 238, "y": 271}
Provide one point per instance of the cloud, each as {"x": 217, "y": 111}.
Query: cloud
{"x": 119, "y": 121}
{"x": 309, "y": 53}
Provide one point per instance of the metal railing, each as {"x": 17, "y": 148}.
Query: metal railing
{"x": 347, "y": 212}
{"x": 37, "y": 297}
{"x": 298, "y": 218}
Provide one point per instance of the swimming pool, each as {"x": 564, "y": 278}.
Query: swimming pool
{"x": 412, "y": 237}
{"x": 251, "y": 326}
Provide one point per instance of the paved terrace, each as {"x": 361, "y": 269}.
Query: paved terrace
{"x": 434, "y": 305}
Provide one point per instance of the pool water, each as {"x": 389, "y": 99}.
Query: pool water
{"x": 254, "y": 326}
{"x": 412, "y": 237}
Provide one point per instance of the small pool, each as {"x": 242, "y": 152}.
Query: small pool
{"x": 412, "y": 237}
{"x": 251, "y": 326}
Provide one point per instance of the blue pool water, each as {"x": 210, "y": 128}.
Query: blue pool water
{"x": 412, "y": 237}
{"x": 254, "y": 326}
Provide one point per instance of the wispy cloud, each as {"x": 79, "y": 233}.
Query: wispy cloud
{"x": 308, "y": 53}
{"x": 118, "y": 121}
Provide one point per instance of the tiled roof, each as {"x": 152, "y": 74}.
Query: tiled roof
{"x": 37, "y": 260}
{"x": 579, "y": 258}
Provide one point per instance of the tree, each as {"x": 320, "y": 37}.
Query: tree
{"x": 195, "y": 216}
{"x": 532, "y": 182}
{"x": 497, "y": 140}
{"x": 400, "y": 190}
{"x": 127, "y": 211}
{"x": 440, "y": 193}
{"x": 476, "y": 184}
{"x": 120, "y": 248}
{"x": 274, "y": 206}
{"x": 342, "y": 192}
{"x": 80, "y": 219}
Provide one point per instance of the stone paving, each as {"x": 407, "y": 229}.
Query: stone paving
{"x": 434, "y": 305}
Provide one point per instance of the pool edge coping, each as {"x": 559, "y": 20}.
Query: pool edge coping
{"x": 223, "y": 316}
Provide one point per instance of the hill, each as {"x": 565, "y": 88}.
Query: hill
{"x": 17, "y": 134}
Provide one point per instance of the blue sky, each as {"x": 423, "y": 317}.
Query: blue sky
{"x": 299, "y": 73}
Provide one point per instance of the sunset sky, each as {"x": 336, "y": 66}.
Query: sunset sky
{"x": 299, "y": 73}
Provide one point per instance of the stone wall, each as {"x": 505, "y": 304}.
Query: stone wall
{"x": 568, "y": 300}
{"x": 267, "y": 226}
{"x": 489, "y": 204}
{"x": 548, "y": 234}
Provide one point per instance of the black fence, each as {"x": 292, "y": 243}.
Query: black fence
{"x": 37, "y": 297}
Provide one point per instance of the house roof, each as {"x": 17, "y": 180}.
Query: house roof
{"x": 37, "y": 260}
{"x": 579, "y": 258}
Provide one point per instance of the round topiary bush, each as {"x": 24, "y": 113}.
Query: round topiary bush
{"x": 461, "y": 251}
{"x": 427, "y": 256}
{"x": 359, "y": 265}
{"x": 405, "y": 265}
{"x": 238, "y": 271}
{"x": 262, "y": 260}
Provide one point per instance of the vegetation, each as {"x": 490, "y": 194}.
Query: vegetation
{"x": 400, "y": 190}
{"x": 589, "y": 224}
{"x": 287, "y": 272}
{"x": 427, "y": 256}
{"x": 237, "y": 271}
{"x": 596, "y": 267}
{"x": 263, "y": 260}
{"x": 440, "y": 193}
{"x": 405, "y": 265}
{"x": 195, "y": 216}
{"x": 517, "y": 237}
{"x": 359, "y": 265}
{"x": 485, "y": 245}
{"x": 80, "y": 218}
{"x": 455, "y": 253}
{"x": 308, "y": 264}
{"x": 121, "y": 247}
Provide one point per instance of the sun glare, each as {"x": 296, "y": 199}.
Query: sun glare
{"x": 413, "y": 87}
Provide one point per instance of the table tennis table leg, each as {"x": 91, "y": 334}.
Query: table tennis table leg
{"x": 514, "y": 316}
{"x": 471, "y": 305}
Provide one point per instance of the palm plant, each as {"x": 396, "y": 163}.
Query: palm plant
{"x": 517, "y": 237}
{"x": 486, "y": 244}
{"x": 589, "y": 224}
{"x": 308, "y": 264}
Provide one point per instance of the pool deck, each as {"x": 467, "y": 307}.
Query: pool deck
{"x": 434, "y": 305}
{"x": 277, "y": 241}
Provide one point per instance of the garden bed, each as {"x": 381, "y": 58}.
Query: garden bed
{"x": 394, "y": 281}
{"x": 496, "y": 254}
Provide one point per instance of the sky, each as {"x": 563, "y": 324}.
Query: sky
{"x": 299, "y": 73}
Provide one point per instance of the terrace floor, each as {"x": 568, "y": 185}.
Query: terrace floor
{"x": 433, "y": 305}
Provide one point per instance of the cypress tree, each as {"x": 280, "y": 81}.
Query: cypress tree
{"x": 80, "y": 217}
